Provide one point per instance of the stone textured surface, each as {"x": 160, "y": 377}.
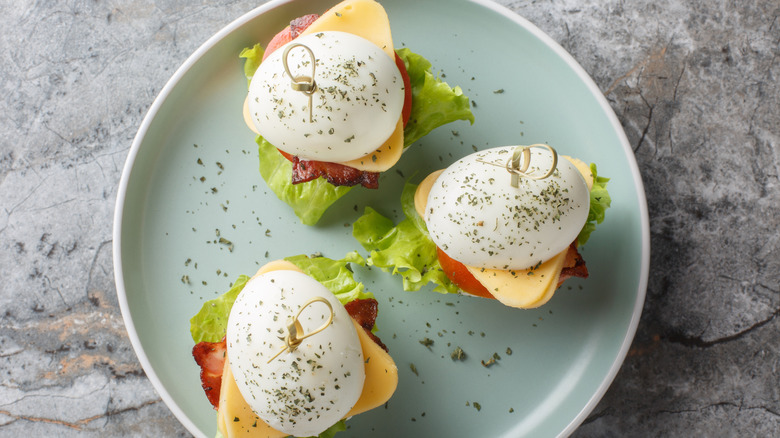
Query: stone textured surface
{"x": 696, "y": 85}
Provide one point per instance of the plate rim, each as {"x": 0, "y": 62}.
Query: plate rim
{"x": 163, "y": 95}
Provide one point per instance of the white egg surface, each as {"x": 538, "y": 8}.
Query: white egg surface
{"x": 356, "y": 106}
{"x": 303, "y": 392}
{"x": 478, "y": 218}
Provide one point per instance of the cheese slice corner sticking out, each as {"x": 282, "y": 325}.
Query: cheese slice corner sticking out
{"x": 381, "y": 375}
{"x": 364, "y": 18}
{"x": 235, "y": 418}
{"x": 386, "y": 156}
{"x": 522, "y": 288}
{"x": 248, "y": 117}
{"x": 421, "y": 195}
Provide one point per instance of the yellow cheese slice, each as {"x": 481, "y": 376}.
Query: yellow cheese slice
{"x": 248, "y": 116}
{"x": 364, "y": 18}
{"x": 522, "y": 288}
{"x": 583, "y": 168}
{"x": 236, "y": 419}
{"x": 381, "y": 375}
{"x": 421, "y": 195}
{"x": 277, "y": 265}
{"x": 386, "y": 156}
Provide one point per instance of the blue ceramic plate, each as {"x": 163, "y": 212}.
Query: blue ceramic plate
{"x": 191, "y": 177}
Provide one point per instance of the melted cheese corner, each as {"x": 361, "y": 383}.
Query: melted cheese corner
{"x": 386, "y": 156}
{"x": 235, "y": 418}
{"x": 364, "y": 18}
{"x": 524, "y": 289}
{"x": 381, "y": 375}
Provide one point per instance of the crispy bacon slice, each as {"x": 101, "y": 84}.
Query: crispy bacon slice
{"x": 573, "y": 266}
{"x": 300, "y": 24}
{"x": 210, "y": 356}
{"x": 364, "y": 312}
{"x": 335, "y": 173}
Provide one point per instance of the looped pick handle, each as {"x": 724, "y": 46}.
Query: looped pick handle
{"x": 304, "y": 84}
{"x": 513, "y": 164}
{"x": 295, "y": 334}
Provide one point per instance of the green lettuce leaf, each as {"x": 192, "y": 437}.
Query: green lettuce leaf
{"x": 599, "y": 203}
{"x": 334, "y": 275}
{"x": 210, "y": 323}
{"x": 308, "y": 200}
{"x": 434, "y": 104}
{"x": 253, "y": 57}
{"x": 404, "y": 249}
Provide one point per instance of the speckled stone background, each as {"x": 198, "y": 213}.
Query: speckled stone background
{"x": 695, "y": 83}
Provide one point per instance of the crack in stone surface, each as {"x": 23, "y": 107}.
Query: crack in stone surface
{"x": 80, "y": 424}
{"x": 699, "y": 342}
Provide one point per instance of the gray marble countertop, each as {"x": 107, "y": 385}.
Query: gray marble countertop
{"x": 695, "y": 84}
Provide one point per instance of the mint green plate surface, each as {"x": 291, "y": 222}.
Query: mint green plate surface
{"x": 191, "y": 177}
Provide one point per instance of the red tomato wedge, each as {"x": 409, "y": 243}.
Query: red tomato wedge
{"x": 277, "y": 41}
{"x": 460, "y": 275}
{"x": 406, "y": 112}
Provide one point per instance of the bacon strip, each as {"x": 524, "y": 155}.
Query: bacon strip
{"x": 364, "y": 312}
{"x": 573, "y": 266}
{"x": 335, "y": 173}
{"x": 210, "y": 356}
{"x": 300, "y": 24}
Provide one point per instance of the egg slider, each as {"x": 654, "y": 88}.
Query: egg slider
{"x": 294, "y": 360}
{"x": 335, "y": 99}
{"x": 503, "y": 223}
{"x": 332, "y": 95}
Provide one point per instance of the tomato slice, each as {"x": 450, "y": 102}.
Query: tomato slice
{"x": 460, "y": 275}
{"x": 406, "y": 112}
{"x": 277, "y": 41}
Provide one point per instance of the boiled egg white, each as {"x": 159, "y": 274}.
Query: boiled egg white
{"x": 354, "y": 110}
{"x": 305, "y": 391}
{"x": 478, "y": 218}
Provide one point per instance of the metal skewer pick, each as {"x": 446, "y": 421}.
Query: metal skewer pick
{"x": 304, "y": 84}
{"x": 294, "y": 328}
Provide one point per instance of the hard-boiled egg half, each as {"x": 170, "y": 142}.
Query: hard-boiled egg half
{"x": 353, "y": 108}
{"x": 513, "y": 238}
{"x": 274, "y": 387}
